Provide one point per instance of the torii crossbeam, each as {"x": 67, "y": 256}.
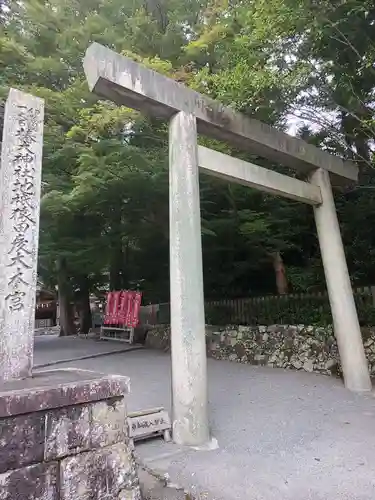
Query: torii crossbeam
{"x": 127, "y": 83}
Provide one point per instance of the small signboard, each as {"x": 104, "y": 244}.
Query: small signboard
{"x": 149, "y": 423}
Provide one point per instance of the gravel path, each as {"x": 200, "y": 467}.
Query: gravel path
{"x": 282, "y": 435}
{"x": 49, "y": 349}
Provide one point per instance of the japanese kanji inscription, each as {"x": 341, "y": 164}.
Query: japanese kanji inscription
{"x": 20, "y": 179}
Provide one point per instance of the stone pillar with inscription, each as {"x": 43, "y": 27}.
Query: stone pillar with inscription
{"x": 94, "y": 459}
{"x": 20, "y": 181}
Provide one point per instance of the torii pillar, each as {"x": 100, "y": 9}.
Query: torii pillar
{"x": 188, "y": 339}
{"x": 344, "y": 313}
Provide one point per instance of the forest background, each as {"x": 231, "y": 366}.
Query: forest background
{"x": 304, "y": 66}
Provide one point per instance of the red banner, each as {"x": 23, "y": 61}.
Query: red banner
{"x": 129, "y": 310}
{"x": 108, "y": 308}
{"x": 115, "y": 309}
{"x": 122, "y": 308}
{"x": 136, "y": 309}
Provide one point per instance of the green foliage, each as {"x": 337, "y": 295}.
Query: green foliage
{"x": 105, "y": 172}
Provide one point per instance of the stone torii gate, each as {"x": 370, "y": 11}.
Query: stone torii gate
{"x": 127, "y": 83}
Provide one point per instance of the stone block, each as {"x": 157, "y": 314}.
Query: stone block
{"x": 308, "y": 366}
{"x": 97, "y": 475}
{"x": 215, "y": 333}
{"x": 214, "y": 346}
{"x": 67, "y": 431}
{"x": 35, "y": 482}
{"x": 134, "y": 494}
{"x": 108, "y": 423}
{"x": 297, "y": 364}
{"x": 227, "y": 341}
{"x": 243, "y": 329}
{"x": 288, "y": 343}
{"x": 21, "y": 441}
{"x": 61, "y": 388}
{"x": 81, "y": 428}
{"x": 240, "y": 350}
{"x": 260, "y": 359}
{"x": 331, "y": 364}
{"x": 368, "y": 342}
{"x": 56, "y": 414}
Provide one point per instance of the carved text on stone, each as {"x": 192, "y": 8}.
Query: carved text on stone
{"x": 23, "y": 206}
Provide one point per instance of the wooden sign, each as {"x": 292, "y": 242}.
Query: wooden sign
{"x": 149, "y": 423}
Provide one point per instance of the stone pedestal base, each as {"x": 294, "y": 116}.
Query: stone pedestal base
{"x": 63, "y": 436}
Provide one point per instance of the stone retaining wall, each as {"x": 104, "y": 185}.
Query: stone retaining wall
{"x": 66, "y": 441}
{"x": 313, "y": 349}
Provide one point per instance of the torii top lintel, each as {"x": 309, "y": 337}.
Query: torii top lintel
{"x": 125, "y": 82}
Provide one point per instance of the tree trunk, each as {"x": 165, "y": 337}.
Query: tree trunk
{"x": 280, "y": 274}
{"x": 64, "y": 299}
{"x": 116, "y": 267}
{"x": 83, "y": 305}
{"x": 363, "y": 161}
{"x": 357, "y": 136}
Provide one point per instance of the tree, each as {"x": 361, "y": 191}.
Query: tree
{"x": 104, "y": 211}
{"x": 311, "y": 62}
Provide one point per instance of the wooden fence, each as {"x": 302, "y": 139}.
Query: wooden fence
{"x": 302, "y": 308}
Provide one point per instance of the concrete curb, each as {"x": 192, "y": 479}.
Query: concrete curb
{"x": 89, "y": 356}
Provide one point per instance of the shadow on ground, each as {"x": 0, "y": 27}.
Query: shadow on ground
{"x": 51, "y": 349}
